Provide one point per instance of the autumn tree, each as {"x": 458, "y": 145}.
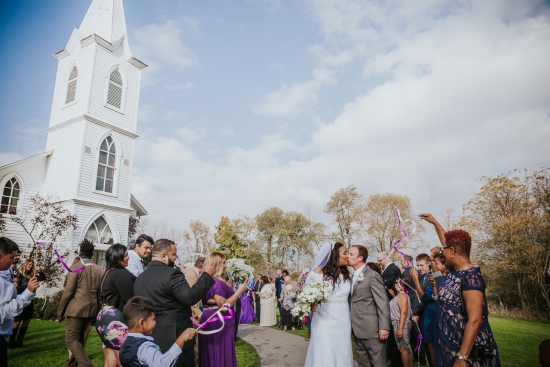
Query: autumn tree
{"x": 199, "y": 237}
{"x": 227, "y": 239}
{"x": 267, "y": 224}
{"x": 345, "y": 207}
{"x": 510, "y": 222}
{"x": 45, "y": 219}
{"x": 379, "y": 221}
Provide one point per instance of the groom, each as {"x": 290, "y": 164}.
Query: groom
{"x": 370, "y": 311}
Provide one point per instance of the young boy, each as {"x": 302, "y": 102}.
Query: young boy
{"x": 11, "y": 304}
{"x": 138, "y": 348}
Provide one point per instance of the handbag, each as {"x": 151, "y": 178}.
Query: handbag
{"x": 478, "y": 351}
{"x": 115, "y": 331}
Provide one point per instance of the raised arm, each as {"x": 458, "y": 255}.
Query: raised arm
{"x": 186, "y": 294}
{"x": 438, "y": 228}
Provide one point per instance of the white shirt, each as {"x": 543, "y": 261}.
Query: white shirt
{"x": 149, "y": 353}
{"x": 135, "y": 263}
{"x": 356, "y": 274}
{"x": 11, "y": 305}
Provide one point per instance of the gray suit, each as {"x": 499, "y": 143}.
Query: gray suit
{"x": 370, "y": 312}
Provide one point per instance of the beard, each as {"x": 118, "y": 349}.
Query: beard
{"x": 171, "y": 263}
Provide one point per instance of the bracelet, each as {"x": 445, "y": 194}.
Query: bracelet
{"x": 461, "y": 357}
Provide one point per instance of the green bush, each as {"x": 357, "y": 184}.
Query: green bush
{"x": 49, "y": 310}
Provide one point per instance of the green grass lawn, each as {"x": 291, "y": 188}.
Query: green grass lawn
{"x": 45, "y": 347}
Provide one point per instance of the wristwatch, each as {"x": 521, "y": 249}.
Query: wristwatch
{"x": 461, "y": 357}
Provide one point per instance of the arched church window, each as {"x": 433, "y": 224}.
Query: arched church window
{"x": 71, "y": 86}
{"x": 10, "y": 197}
{"x": 114, "y": 94}
{"x": 106, "y": 165}
{"x": 99, "y": 232}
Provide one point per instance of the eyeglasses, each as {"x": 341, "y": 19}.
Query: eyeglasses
{"x": 380, "y": 261}
{"x": 443, "y": 248}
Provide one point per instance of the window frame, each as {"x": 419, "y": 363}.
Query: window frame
{"x": 116, "y": 167}
{"x": 69, "y": 80}
{"x": 123, "y": 92}
{"x": 20, "y": 200}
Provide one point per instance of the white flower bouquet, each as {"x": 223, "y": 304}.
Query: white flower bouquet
{"x": 316, "y": 292}
{"x": 239, "y": 271}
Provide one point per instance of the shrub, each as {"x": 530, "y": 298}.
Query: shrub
{"x": 49, "y": 310}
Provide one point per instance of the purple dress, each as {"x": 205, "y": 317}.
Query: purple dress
{"x": 217, "y": 349}
{"x": 247, "y": 312}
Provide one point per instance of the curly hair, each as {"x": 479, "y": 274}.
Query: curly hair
{"x": 87, "y": 248}
{"x": 460, "y": 240}
{"x": 331, "y": 271}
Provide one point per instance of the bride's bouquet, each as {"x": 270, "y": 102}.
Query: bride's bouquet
{"x": 238, "y": 270}
{"x": 315, "y": 292}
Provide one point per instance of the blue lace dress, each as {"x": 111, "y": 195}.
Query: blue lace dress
{"x": 450, "y": 322}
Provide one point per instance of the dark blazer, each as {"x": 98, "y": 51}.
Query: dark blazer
{"x": 80, "y": 298}
{"x": 173, "y": 298}
{"x": 278, "y": 286}
{"x": 390, "y": 275}
{"x": 117, "y": 287}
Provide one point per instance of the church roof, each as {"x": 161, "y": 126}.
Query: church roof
{"x": 106, "y": 19}
{"x": 135, "y": 204}
{"x": 45, "y": 154}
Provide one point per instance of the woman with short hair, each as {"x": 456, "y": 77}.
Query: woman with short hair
{"x": 116, "y": 288}
{"x": 463, "y": 336}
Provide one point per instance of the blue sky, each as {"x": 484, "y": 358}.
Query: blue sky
{"x": 249, "y": 104}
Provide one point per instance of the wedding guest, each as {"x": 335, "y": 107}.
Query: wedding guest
{"x": 268, "y": 302}
{"x": 141, "y": 250}
{"x": 11, "y": 304}
{"x": 279, "y": 281}
{"x": 218, "y": 349}
{"x": 192, "y": 274}
{"x": 116, "y": 288}
{"x": 288, "y": 298}
{"x": 424, "y": 291}
{"x": 400, "y": 311}
{"x": 11, "y": 272}
{"x": 390, "y": 273}
{"x": 406, "y": 264}
{"x": 257, "y": 288}
{"x": 374, "y": 266}
{"x": 167, "y": 288}
{"x": 139, "y": 348}
{"x": 21, "y": 322}
{"x": 79, "y": 304}
{"x": 544, "y": 353}
{"x": 463, "y": 335}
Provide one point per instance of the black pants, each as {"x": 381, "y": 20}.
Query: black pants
{"x": 286, "y": 318}
{"x": 238, "y": 306}
{"x": 258, "y": 307}
{"x": 414, "y": 339}
{"x": 3, "y": 352}
{"x": 186, "y": 359}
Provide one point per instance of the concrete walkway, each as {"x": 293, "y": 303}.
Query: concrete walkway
{"x": 275, "y": 347}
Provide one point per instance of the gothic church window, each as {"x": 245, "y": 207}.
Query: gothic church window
{"x": 114, "y": 94}
{"x": 99, "y": 232}
{"x": 10, "y": 197}
{"x": 106, "y": 165}
{"x": 71, "y": 86}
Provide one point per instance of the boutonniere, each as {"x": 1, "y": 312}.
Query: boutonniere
{"x": 360, "y": 278}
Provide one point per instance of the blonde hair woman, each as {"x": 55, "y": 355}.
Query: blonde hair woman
{"x": 27, "y": 270}
{"x": 218, "y": 349}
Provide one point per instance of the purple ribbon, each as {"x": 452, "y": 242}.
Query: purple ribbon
{"x": 60, "y": 258}
{"x": 401, "y": 239}
{"x": 419, "y": 340}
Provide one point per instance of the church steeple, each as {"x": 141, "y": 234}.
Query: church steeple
{"x": 106, "y": 19}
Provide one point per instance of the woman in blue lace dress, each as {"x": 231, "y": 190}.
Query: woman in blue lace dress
{"x": 463, "y": 336}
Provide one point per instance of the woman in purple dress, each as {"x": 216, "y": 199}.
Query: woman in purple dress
{"x": 218, "y": 349}
{"x": 247, "y": 311}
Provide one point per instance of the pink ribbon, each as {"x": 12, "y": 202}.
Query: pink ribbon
{"x": 212, "y": 318}
{"x": 401, "y": 239}
{"x": 60, "y": 258}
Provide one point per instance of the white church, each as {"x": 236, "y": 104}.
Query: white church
{"x": 89, "y": 152}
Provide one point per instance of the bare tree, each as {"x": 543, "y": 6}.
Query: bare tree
{"x": 345, "y": 206}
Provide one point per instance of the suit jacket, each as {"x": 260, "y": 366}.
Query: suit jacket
{"x": 80, "y": 295}
{"x": 173, "y": 298}
{"x": 257, "y": 288}
{"x": 370, "y": 308}
{"x": 390, "y": 275}
{"x": 192, "y": 279}
{"x": 278, "y": 286}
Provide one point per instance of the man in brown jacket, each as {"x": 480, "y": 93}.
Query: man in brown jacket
{"x": 192, "y": 274}
{"x": 79, "y": 304}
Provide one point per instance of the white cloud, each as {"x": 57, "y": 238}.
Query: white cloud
{"x": 10, "y": 157}
{"x": 465, "y": 94}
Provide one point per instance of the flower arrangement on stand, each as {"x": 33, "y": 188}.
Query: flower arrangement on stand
{"x": 313, "y": 293}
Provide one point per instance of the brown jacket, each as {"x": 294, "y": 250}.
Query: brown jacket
{"x": 191, "y": 277}
{"x": 80, "y": 295}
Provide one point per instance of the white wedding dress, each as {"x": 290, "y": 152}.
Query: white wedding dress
{"x": 330, "y": 344}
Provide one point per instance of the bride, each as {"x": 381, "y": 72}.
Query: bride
{"x": 330, "y": 343}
